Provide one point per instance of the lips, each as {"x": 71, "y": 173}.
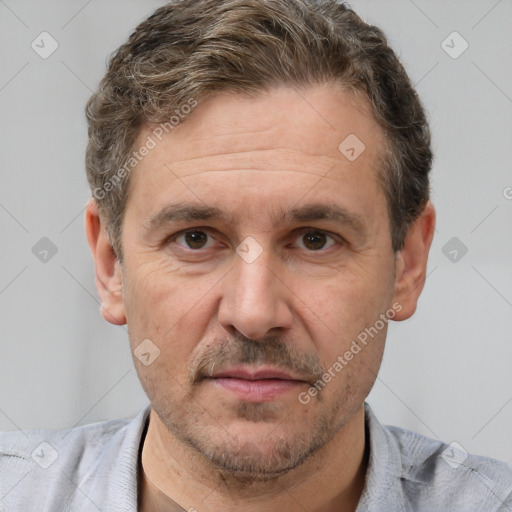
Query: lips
{"x": 256, "y": 385}
{"x": 259, "y": 374}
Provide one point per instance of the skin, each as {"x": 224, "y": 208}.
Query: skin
{"x": 298, "y": 306}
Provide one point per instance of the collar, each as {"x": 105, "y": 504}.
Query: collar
{"x": 383, "y": 482}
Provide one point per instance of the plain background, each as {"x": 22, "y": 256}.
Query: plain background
{"x": 446, "y": 372}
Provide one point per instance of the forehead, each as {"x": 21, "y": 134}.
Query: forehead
{"x": 314, "y": 120}
{"x": 280, "y": 141}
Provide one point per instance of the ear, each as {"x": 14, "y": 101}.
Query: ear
{"x": 109, "y": 278}
{"x": 411, "y": 262}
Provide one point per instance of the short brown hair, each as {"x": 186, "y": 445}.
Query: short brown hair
{"x": 191, "y": 49}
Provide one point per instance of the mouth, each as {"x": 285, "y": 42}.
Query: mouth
{"x": 256, "y": 385}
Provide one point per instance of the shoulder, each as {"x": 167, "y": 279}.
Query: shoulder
{"x": 40, "y": 445}
{"x": 411, "y": 472}
{"x": 40, "y": 468}
{"x": 448, "y": 476}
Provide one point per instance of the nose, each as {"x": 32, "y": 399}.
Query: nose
{"x": 255, "y": 299}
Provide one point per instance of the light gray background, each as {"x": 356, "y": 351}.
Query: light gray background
{"x": 446, "y": 372}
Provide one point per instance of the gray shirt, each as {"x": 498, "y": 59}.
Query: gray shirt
{"x": 94, "y": 468}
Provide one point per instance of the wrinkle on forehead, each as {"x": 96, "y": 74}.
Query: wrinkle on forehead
{"x": 316, "y": 119}
{"x": 282, "y": 131}
{"x": 267, "y": 160}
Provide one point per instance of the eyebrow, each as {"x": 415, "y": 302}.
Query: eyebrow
{"x": 188, "y": 212}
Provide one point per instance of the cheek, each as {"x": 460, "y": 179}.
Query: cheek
{"x": 339, "y": 311}
{"x": 172, "y": 312}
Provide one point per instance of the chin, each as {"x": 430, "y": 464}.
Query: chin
{"x": 250, "y": 452}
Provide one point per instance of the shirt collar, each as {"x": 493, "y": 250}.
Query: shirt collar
{"x": 122, "y": 478}
{"x": 384, "y": 475}
{"x": 382, "y": 489}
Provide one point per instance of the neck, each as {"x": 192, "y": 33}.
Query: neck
{"x": 331, "y": 480}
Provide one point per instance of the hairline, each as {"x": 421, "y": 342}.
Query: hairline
{"x": 357, "y": 97}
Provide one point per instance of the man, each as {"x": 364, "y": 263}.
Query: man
{"x": 260, "y": 212}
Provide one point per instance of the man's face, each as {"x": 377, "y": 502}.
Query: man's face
{"x": 282, "y": 260}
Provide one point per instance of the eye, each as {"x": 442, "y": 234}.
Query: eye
{"x": 193, "y": 239}
{"x": 314, "y": 240}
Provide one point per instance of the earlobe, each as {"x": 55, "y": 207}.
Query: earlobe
{"x": 108, "y": 269}
{"x": 411, "y": 262}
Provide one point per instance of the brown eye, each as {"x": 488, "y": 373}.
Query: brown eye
{"x": 314, "y": 241}
{"x": 193, "y": 239}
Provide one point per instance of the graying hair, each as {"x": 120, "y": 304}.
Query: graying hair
{"x": 191, "y": 49}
